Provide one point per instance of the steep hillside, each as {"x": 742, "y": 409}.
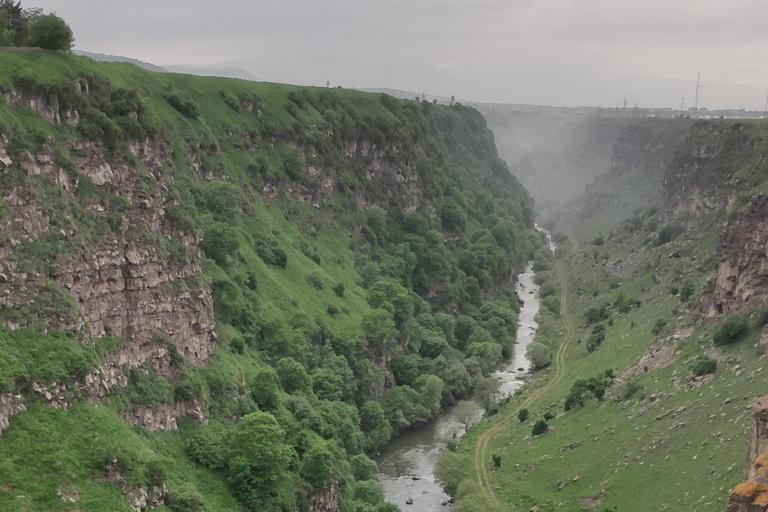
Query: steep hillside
{"x": 657, "y": 317}
{"x": 220, "y": 295}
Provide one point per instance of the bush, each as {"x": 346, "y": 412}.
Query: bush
{"x": 339, "y": 290}
{"x": 669, "y": 233}
{"x": 730, "y": 329}
{"x": 659, "y": 326}
{"x": 549, "y": 415}
{"x": 539, "y": 355}
{"x": 522, "y": 415}
{"x": 703, "y": 366}
{"x": 51, "y": 33}
{"x": 540, "y": 427}
{"x": 598, "y": 241}
{"x": 184, "y": 106}
{"x": 686, "y": 291}
{"x": 497, "y": 460}
{"x": 185, "y": 499}
{"x": 315, "y": 280}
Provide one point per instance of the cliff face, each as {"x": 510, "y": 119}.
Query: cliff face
{"x": 717, "y": 160}
{"x": 640, "y": 155}
{"x": 167, "y": 241}
{"x": 742, "y": 276}
{"x": 752, "y": 495}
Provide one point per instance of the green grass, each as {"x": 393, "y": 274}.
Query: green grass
{"x": 624, "y": 457}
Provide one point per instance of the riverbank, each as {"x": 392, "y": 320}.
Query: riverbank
{"x": 406, "y": 464}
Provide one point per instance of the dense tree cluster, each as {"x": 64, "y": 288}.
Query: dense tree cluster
{"x": 30, "y": 27}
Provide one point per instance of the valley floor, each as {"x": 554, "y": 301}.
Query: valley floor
{"x": 660, "y": 439}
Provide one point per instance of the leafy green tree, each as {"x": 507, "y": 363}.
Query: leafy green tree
{"x": 221, "y": 243}
{"x": 374, "y": 425}
{"x": 730, "y": 329}
{"x": 485, "y": 392}
{"x": 704, "y": 365}
{"x": 380, "y": 332}
{"x": 363, "y": 468}
{"x": 522, "y": 415}
{"x": 497, "y": 460}
{"x": 265, "y": 388}
{"x": 451, "y": 469}
{"x": 465, "y": 413}
{"x": 257, "y": 459}
{"x": 430, "y": 389}
{"x": 368, "y": 491}
{"x": 185, "y": 499}
{"x": 293, "y": 375}
{"x": 388, "y": 291}
{"x": 317, "y": 465}
{"x": 51, "y": 33}
{"x": 539, "y": 355}
{"x": 539, "y": 427}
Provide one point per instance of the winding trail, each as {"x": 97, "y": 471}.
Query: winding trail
{"x": 481, "y": 448}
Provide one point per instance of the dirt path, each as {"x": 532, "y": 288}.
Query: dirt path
{"x": 481, "y": 448}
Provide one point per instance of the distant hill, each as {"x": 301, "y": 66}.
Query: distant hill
{"x": 100, "y": 57}
{"x": 226, "y": 72}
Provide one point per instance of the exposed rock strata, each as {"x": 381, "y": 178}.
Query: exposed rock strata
{"x": 752, "y": 495}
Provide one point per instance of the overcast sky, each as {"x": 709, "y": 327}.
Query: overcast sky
{"x": 557, "y": 52}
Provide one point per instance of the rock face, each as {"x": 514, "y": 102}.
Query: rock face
{"x": 752, "y": 495}
{"x": 326, "y": 500}
{"x": 742, "y": 277}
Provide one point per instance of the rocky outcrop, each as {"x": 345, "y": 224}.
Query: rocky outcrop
{"x": 718, "y": 159}
{"x": 742, "y": 277}
{"x": 752, "y": 495}
{"x": 326, "y": 500}
{"x": 163, "y": 417}
{"x": 10, "y": 406}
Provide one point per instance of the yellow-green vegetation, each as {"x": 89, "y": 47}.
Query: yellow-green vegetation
{"x": 314, "y": 303}
{"x": 625, "y": 432}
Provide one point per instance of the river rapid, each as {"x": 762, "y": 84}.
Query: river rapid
{"x": 406, "y": 464}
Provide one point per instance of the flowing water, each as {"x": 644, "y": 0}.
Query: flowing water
{"x": 406, "y": 464}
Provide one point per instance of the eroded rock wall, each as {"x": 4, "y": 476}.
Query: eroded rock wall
{"x": 742, "y": 277}
{"x": 752, "y": 495}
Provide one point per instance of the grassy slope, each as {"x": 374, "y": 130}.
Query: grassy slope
{"x": 624, "y": 458}
{"x": 33, "y": 472}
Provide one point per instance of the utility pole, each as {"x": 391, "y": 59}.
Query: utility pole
{"x": 765, "y": 111}
{"x": 625, "y": 102}
{"x": 682, "y": 107}
{"x": 698, "y": 86}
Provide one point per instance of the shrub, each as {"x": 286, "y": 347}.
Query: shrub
{"x": 730, "y": 329}
{"x": 686, "y": 291}
{"x": 540, "y": 427}
{"x": 339, "y": 290}
{"x": 598, "y": 241}
{"x": 703, "y": 366}
{"x": 51, "y": 33}
{"x": 184, "y": 106}
{"x": 659, "y": 326}
{"x": 332, "y": 310}
{"x": 549, "y": 415}
{"x": 497, "y": 460}
{"x": 522, "y": 415}
{"x": 552, "y": 304}
{"x": 669, "y": 233}
{"x": 185, "y": 499}
{"x": 315, "y": 280}
{"x": 539, "y": 355}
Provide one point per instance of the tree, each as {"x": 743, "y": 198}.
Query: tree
{"x": 374, "y": 425}
{"x": 539, "y": 355}
{"x": 539, "y": 427}
{"x": 293, "y": 376}
{"x": 496, "y": 460}
{"x": 485, "y": 392}
{"x": 522, "y": 415}
{"x": 363, "y": 468}
{"x": 730, "y": 329}
{"x": 317, "y": 465}
{"x": 686, "y": 291}
{"x": 265, "y": 388}
{"x": 380, "y": 331}
{"x": 185, "y": 499}
{"x": 451, "y": 469}
{"x": 465, "y": 413}
{"x": 51, "y": 33}
{"x": 257, "y": 459}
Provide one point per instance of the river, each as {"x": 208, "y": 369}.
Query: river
{"x": 406, "y": 464}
